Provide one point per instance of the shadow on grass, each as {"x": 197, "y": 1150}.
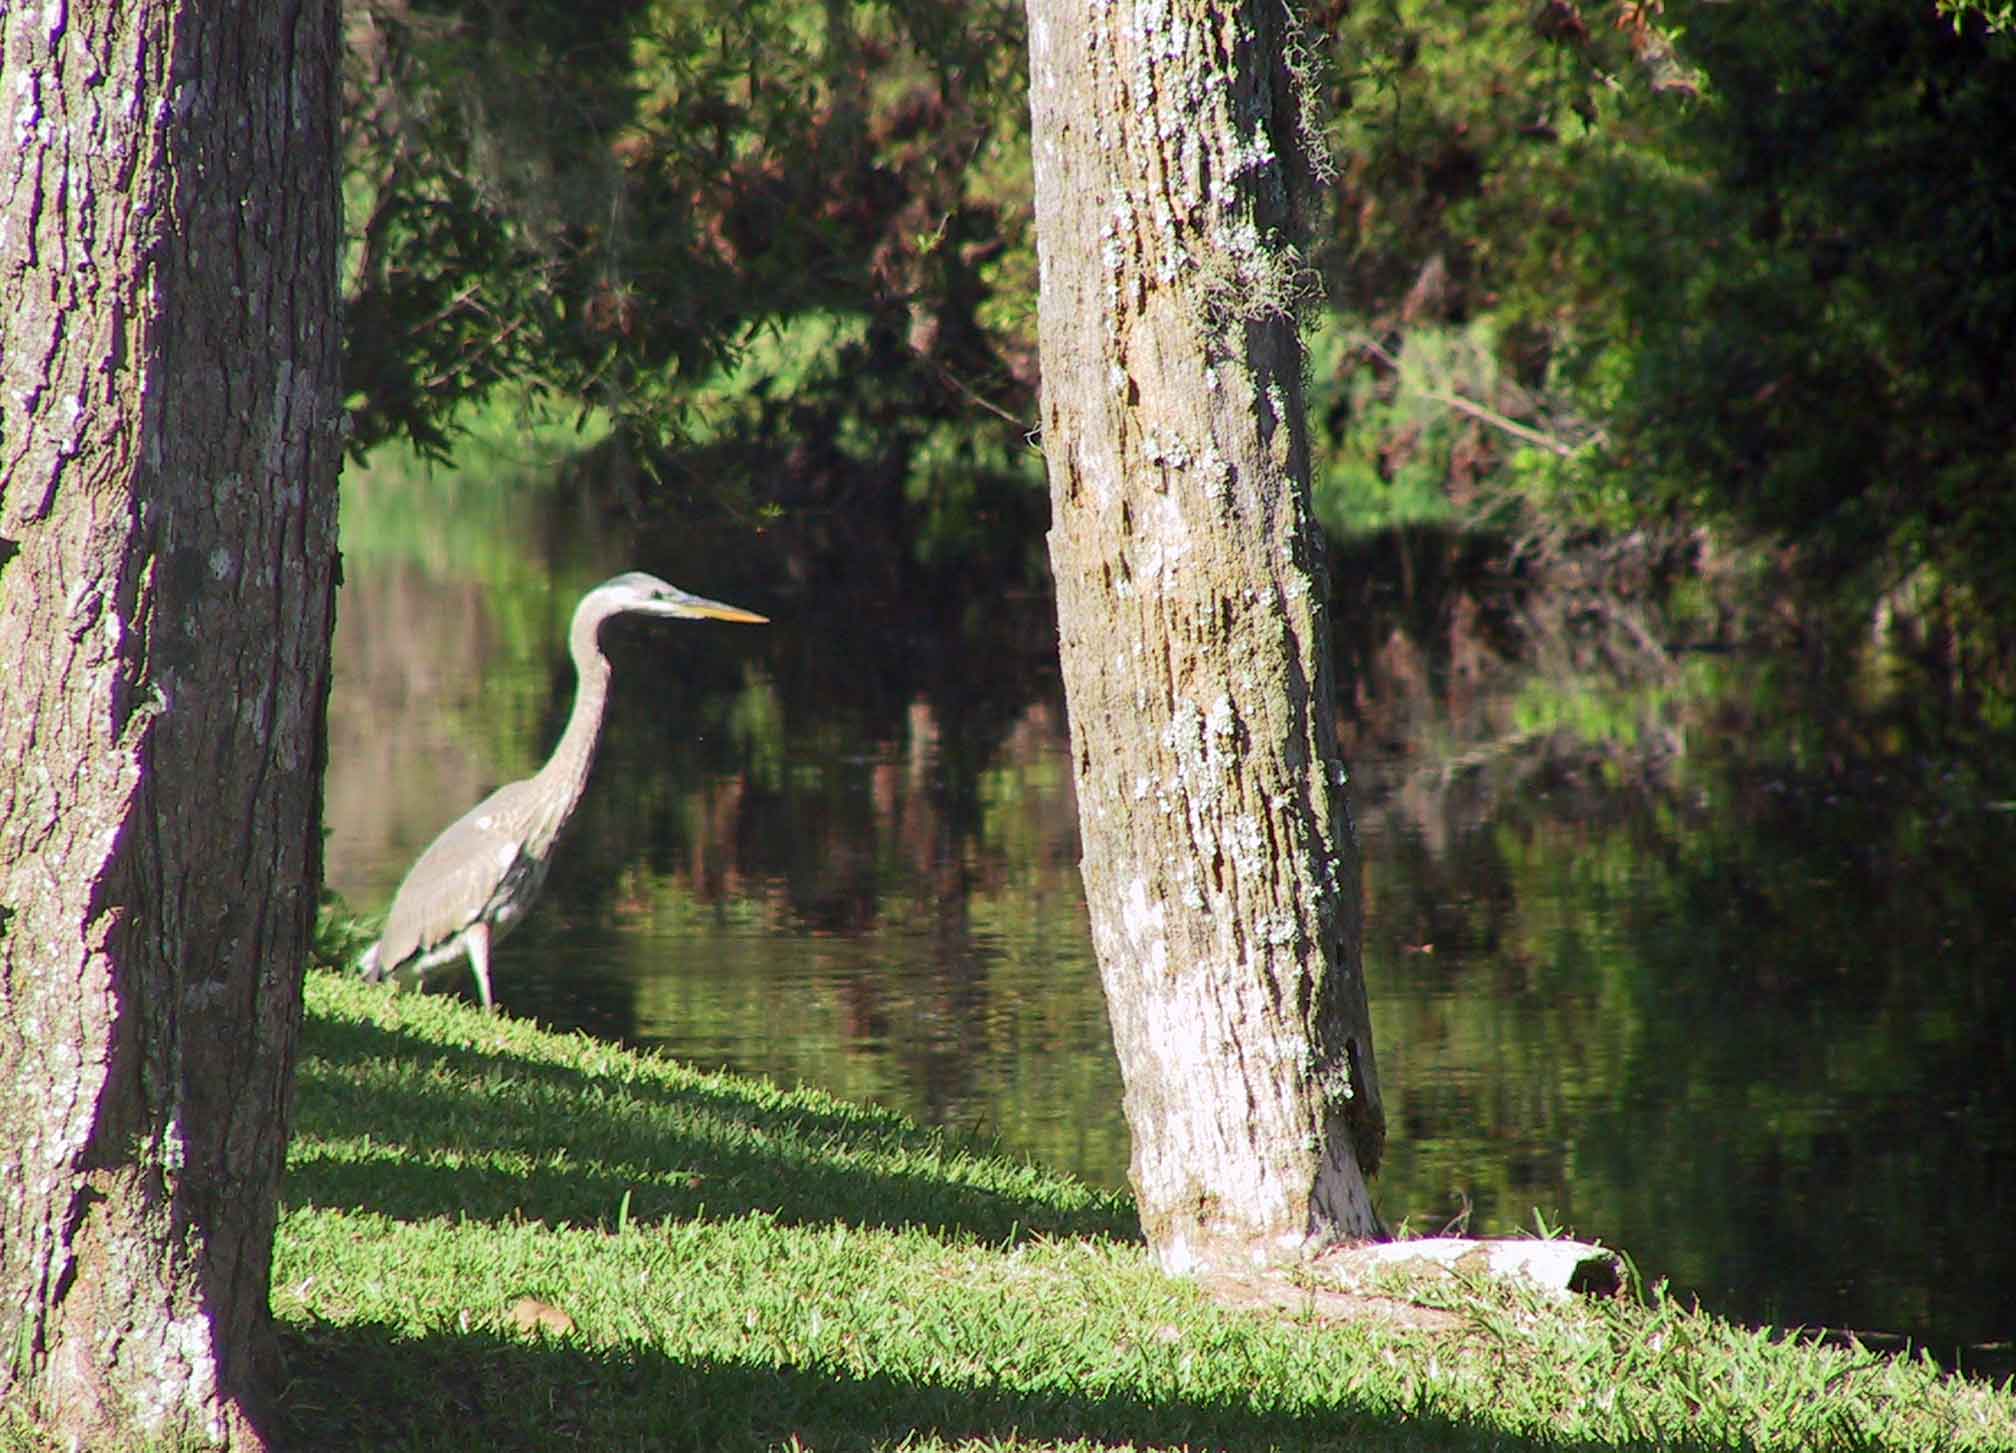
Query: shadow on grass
{"x": 362, "y": 1386}
{"x": 439, "y": 1118}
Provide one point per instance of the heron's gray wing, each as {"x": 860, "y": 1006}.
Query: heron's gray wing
{"x": 456, "y": 879}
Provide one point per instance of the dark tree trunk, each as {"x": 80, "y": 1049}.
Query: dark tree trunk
{"x": 1220, "y": 866}
{"x": 169, "y": 439}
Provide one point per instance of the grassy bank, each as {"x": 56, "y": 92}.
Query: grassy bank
{"x": 498, "y": 1238}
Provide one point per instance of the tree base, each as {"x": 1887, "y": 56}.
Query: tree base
{"x": 1372, "y": 1281}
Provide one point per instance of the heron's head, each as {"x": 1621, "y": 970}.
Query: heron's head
{"x": 642, "y": 594}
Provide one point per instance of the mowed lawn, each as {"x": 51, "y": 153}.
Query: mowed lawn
{"x": 494, "y": 1238}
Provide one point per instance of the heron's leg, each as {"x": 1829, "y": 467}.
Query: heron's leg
{"x": 476, "y": 939}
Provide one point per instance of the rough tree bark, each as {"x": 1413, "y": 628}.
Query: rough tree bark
{"x": 1220, "y": 865}
{"x": 169, "y": 411}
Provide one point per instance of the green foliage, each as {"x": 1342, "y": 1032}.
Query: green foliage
{"x": 1616, "y": 265}
{"x": 1407, "y": 438}
{"x": 1459, "y": 126}
{"x": 1382, "y": 451}
{"x": 706, "y": 217}
{"x": 1996, "y": 15}
{"x": 340, "y": 936}
{"x": 1462, "y": 129}
{"x": 1812, "y": 340}
{"x": 1759, "y": 258}
{"x": 456, "y": 282}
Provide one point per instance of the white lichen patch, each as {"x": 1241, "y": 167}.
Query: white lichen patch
{"x": 1099, "y": 475}
{"x": 1142, "y": 921}
{"x": 1164, "y": 543}
{"x": 1213, "y": 472}
{"x": 1163, "y": 449}
{"x": 1292, "y": 1049}
{"x": 185, "y": 1377}
{"x": 1277, "y": 399}
{"x": 1278, "y": 930}
{"x": 1246, "y": 844}
{"x": 1221, "y": 723}
{"x": 1176, "y": 1256}
{"x": 28, "y": 114}
{"x": 1184, "y": 735}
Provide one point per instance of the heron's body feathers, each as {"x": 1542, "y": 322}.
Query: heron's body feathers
{"x": 479, "y": 869}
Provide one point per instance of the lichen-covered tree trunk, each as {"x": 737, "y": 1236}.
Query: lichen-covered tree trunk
{"x": 169, "y": 411}
{"x": 1220, "y": 865}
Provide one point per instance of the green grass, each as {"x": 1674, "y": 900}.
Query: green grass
{"x": 746, "y": 1267}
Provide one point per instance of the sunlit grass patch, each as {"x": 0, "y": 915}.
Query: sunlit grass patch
{"x": 496, "y": 1237}
{"x": 412, "y": 1107}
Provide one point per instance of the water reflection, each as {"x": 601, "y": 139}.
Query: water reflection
{"x": 1695, "y": 953}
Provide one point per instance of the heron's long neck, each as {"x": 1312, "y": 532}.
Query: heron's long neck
{"x": 565, "y": 775}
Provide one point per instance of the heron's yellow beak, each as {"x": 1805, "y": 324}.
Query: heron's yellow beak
{"x": 714, "y": 610}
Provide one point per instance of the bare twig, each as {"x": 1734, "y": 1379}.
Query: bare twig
{"x": 1510, "y": 426}
{"x": 1485, "y": 415}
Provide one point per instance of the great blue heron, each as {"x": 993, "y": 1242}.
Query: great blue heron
{"x": 477, "y": 879}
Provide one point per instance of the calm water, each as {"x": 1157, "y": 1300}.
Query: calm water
{"x": 1701, "y": 954}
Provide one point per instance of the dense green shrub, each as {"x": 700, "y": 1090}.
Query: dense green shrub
{"x": 1745, "y": 268}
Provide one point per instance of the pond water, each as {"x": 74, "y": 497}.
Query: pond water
{"x": 1699, "y": 952}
